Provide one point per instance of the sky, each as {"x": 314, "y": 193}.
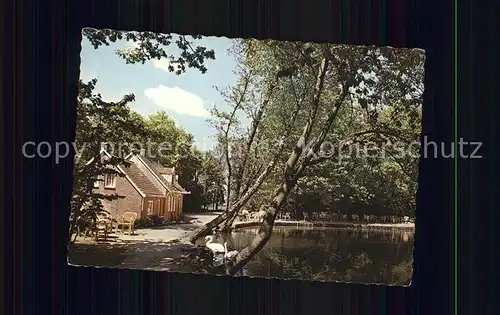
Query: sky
{"x": 187, "y": 98}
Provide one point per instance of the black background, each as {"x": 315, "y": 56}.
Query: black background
{"x": 41, "y": 67}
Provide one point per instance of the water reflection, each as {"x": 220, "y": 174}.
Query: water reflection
{"x": 363, "y": 256}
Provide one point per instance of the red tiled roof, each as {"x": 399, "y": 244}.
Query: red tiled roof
{"x": 159, "y": 169}
{"x": 137, "y": 176}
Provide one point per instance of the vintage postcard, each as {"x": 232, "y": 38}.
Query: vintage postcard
{"x": 243, "y": 157}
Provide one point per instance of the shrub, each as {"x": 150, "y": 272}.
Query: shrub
{"x": 149, "y": 221}
{"x": 156, "y": 220}
{"x": 143, "y": 222}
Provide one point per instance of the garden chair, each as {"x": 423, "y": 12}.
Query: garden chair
{"x": 306, "y": 216}
{"x": 355, "y": 218}
{"x": 315, "y": 216}
{"x": 327, "y": 217}
{"x": 366, "y": 218}
{"x": 108, "y": 218}
{"x": 101, "y": 228}
{"x": 251, "y": 216}
{"x": 127, "y": 220}
{"x": 113, "y": 225}
{"x": 334, "y": 217}
{"x": 322, "y": 216}
{"x": 244, "y": 216}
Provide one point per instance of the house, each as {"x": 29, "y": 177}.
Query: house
{"x": 147, "y": 187}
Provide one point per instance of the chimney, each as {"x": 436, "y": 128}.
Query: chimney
{"x": 142, "y": 152}
{"x": 176, "y": 177}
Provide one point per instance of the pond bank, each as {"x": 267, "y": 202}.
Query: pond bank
{"x": 339, "y": 225}
{"x": 171, "y": 256}
{"x": 157, "y": 248}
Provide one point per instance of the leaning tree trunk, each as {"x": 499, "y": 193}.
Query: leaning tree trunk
{"x": 265, "y": 230}
{"x": 240, "y": 172}
{"x": 232, "y": 211}
{"x": 293, "y": 169}
{"x": 232, "y": 217}
{"x": 290, "y": 176}
{"x": 212, "y": 225}
{"x": 292, "y": 172}
{"x": 279, "y": 199}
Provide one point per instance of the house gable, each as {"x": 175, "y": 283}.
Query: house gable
{"x": 147, "y": 175}
{"x": 164, "y": 175}
{"x": 132, "y": 201}
{"x": 136, "y": 176}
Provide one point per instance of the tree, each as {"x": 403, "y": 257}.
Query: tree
{"x": 327, "y": 78}
{"x": 246, "y": 150}
{"x": 211, "y": 177}
{"x": 149, "y": 45}
{"x": 99, "y": 125}
{"x": 263, "y": 171}
{"x": 357, "y": 76}
{"x": 163, "y": 138}
{"x": 171, "y": 146}
{"x": 236, "y": 144}
{"x": 296, "y": 106}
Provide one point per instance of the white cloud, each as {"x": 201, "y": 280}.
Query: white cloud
{"x": 177, "y": 100}
{"x": 163, "y": 64}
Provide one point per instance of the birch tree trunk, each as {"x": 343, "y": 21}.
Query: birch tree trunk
{"x": 212, "y": 225}
{"x": 290, "y": 180}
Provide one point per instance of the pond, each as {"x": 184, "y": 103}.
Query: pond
{"x": 349, "y": 255}
{"x": 382, "y": 256}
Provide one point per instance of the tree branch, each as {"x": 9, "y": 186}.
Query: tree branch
{"x": 226, "y": 140}
{"x": 304, "y": 137}
{"x": 253, "y": 131}
{"x": 288, "y": 128}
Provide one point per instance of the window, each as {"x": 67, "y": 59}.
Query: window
{"x": 150, "y": 207}
{"x": 109, "y": 181}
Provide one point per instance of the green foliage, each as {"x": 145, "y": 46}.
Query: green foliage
{"x": 98, "y": 123}
{"x": 275, "y": 79}
{"x": 149, "y": 221}
{"x": 211, "y": 178}
{"x": 151, "y": 45}
{"x": 385, "y": 95}
{"x": 171, "y": 145}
